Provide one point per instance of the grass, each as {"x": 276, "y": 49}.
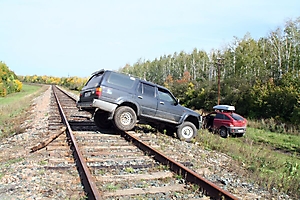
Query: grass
{"x": 271, "y": 159}
{"x": 111, "y": 187}
{"x": 14, "y": 107}
{"x": 285, "y": 142}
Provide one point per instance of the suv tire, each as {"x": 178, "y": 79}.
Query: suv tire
{"x": 186, "y": 131}
{"x": 101, "y": 119}
{"x": 125, "y": 118}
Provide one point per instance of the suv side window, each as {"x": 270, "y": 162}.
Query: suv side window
{"x": 148, "y": 90}
{"x": 165, "y": 96}
{"x": 121, "y": 80}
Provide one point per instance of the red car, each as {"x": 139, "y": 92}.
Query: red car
{"x": 225, "y": 122}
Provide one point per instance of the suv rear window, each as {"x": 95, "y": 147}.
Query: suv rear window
{"x": 121, "y": 80}
{"x": 94, "y": 81}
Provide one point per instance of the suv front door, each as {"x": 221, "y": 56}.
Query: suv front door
{"x": 168, "y": 108}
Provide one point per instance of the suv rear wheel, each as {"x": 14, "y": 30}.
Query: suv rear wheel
{"x": 186, "y": 131}
{"x": 125, "y": 118}
{"x": 101, "y": 119}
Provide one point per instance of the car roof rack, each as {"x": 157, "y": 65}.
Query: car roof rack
{"x": 98, "y": 72}
{"x": 224, "y": 108}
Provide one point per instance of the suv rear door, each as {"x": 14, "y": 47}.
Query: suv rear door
{"x": 146, "y": 98}
{"x": 88, "y": 92}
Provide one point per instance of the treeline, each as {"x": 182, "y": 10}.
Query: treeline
{"x": 73, "y": 83}
{"x": 9, "y": 82}
{"x": 260, "y": 77}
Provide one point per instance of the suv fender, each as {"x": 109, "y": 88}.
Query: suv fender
{"x": 190, "y": 118}
{"x": 123, "y": 102}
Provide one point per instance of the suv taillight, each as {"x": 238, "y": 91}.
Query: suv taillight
{"x": 98, "y": 91}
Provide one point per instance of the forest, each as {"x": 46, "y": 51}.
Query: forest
{"x": 259, "y": 77}
{"x": 9, "y": 82}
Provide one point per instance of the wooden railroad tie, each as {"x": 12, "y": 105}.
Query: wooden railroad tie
{"x": 48, "y": 141}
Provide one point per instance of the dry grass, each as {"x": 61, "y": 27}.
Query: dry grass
{"x": 275, "y": 126}
{"x": 265, "y": 165}
{"x": 14, "y": 110}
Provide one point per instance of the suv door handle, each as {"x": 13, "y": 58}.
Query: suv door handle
{"x": 140, "y": 97}
{"x": 162, "y": 103}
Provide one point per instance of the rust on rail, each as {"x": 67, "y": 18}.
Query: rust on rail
{"x": 85, "y": 175}
{"x": 208, "y": 188}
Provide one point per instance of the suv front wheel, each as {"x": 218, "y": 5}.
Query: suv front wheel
{"x": 125, "y": 118}
{"x": 186, "y": 131}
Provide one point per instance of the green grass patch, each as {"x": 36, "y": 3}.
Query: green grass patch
{"x": 13, "y": 161}
{"x": 280, "y": 141}
{"x": 270, "y": 159}
{"x": 111, "y": 187}
{"x": 8, "y": 163}
{"x": 14, "y": 107}
{"x": 15, "y": 97}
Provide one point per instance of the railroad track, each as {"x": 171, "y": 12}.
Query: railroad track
{"x": 118, "y": 165}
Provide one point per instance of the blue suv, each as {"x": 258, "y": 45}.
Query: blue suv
{"x": 123, "y": 101}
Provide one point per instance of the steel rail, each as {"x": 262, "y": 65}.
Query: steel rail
{"x": 85, "y": 175}
{"x": 208, "y": 188}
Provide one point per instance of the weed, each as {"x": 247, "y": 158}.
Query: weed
{"x": 83, "y": 198}
{"x": 129, "y": 170}
{"x": 15, "y": 160}
{"x": 195, "y": 187}
{"x": 101, "y": 172}
{"x": 178, "y": 177}
{"x": 41, "y": 172}
{"x": 43, "y": 162}
{"x": 163, "y": 167}
{"x": 111, "y": 187}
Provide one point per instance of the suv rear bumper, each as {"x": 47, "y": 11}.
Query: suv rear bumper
{"x": 103, "y": 105}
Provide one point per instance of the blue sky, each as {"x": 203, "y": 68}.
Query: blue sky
{"x": 75, "y": 38}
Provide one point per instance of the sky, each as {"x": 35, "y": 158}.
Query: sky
{"x": 64, "y": 38}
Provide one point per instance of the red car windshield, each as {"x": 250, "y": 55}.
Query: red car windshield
{"x": 236, "y": 117}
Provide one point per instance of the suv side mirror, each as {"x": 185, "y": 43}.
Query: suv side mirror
{"x": 176, "y": 102}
